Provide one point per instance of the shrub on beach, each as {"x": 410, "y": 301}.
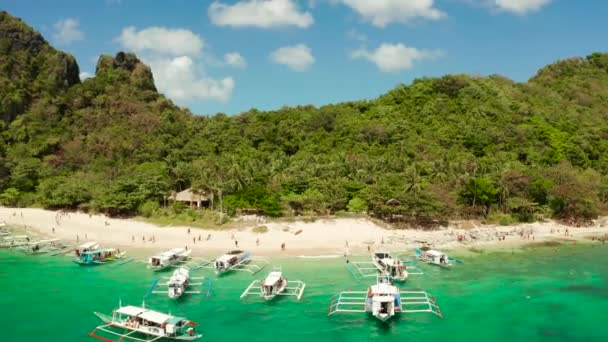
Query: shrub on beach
{"x": 260, "y": 229}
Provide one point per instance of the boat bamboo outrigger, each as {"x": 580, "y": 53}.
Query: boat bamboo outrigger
{"x": 434, "y": 257}
{"x": 384, "y": 263}
{"x": 275, "y": 284}
{"x": 236, "y": 261}
{"x": 170, "y": 258}
{"x": 383, "y": 301}
{"x": 179, "y": 284}
{"x": 136, "y": 322}
{"x": 99, "y": 256}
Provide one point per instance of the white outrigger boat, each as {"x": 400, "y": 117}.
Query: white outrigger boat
{"x": 275, "y": 284}
{"x": 434, "y": 257}
{"x": 179, "y": 284}
{"x": 170, "y": 258}
{"x": 385, "y": 264}
{"x": 14, "y": 241}
{"x": 236, "y": 261}
{"x": 383, "y": 301}
{"x": 41, "y": 246}
{"x": 137, "y": 321}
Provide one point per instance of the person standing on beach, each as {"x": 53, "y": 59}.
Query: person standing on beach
{"x": 257, "y": 241}
{"x": 236, "y": 243}
{"x": 194, "y": 240}
{"x": 199, "y": 237}
{"x": 208, "y": 236}
{"x": 53, "y": 230}
{"x": 283, "y": 246}
{"x": 188, "y": 230}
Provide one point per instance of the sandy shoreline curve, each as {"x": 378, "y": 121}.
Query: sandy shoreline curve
{"x": 323, "y": 238}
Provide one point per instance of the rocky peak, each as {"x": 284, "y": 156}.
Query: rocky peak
{"x": 138, "y": 73}
{"x": 17, "y": 35}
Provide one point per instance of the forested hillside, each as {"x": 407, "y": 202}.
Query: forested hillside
{"x": 440, "y": 148}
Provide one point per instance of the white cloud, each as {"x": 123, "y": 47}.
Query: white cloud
{"x": 297, "y": 57}
{"x": 67, "y": 31}
{"x": 259, "y": 13}
{"x": 395, "y": 57}
{"x": 383, "y": 12}
{"x": 235, "y": 59}
{"x": 521, "y": 7}
{"x": 84, "y": 75}
{"x": 176, "y": 42}
{"x": 178, "y": 79}
{"x": 356, "y": 35}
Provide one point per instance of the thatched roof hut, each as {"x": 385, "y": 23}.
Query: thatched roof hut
{"x": 189, "y": 196}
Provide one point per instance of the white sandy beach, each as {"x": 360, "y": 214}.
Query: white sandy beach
{"x": 325, "y": 237}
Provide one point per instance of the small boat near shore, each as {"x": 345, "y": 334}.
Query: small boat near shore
{"x": 99, "y": 257}
{"x": 436, "y": 258}
{"x": 170, "y": 258}
{"x": 42, "y": 246}
{"x": 10, "y": 241}
{"x": 383, "y": 264}
{"x": 134, "y": 321}
{"x": 275, "y": 284}
{"x": 237, "y": 261}
{"x": 390, "y": 266}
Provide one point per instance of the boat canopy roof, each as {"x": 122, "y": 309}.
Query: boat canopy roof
{"x": 175, "y": 320}
{"x": 434, "y": 253}
{"x": 148, "y": 315}
{"x": 87, "y": 245}
{"x": 272, "y": 278}
{"x": 154, "y": 316}
{"x": 130, "y": 310}
{"x": 228, "y": 256}
{"x": 384, "y": 289}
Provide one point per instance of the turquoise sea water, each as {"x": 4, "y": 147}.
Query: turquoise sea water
{"x": 545, "y": 294}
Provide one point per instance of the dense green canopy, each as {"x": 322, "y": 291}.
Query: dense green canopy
{"x": 455, "y": 146}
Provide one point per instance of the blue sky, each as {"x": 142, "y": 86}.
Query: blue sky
{"x": 229, "y": 56}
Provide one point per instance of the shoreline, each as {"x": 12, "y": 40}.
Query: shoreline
{"x": 323, "y": 238}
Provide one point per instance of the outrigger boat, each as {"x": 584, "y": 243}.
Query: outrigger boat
{"x": 236, "y": 261}
{"x": 41, "y": 246}
{"x": 14, "y": 241}
{"x": 99, "y": 256}
{"x": 170, "y": 258}
{"x": 383, "y": 301}
{"x": 179, "y": 283}
{"x": 385, "y": 264}
{"x": 275, "y": 284}
{"x": 138, "y": 321}
{"x": 434, "y": 257}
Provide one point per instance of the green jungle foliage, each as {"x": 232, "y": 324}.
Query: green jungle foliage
{"x": 440, "y": 148}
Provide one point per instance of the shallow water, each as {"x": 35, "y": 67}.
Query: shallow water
{"x": 545, "y": 294}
